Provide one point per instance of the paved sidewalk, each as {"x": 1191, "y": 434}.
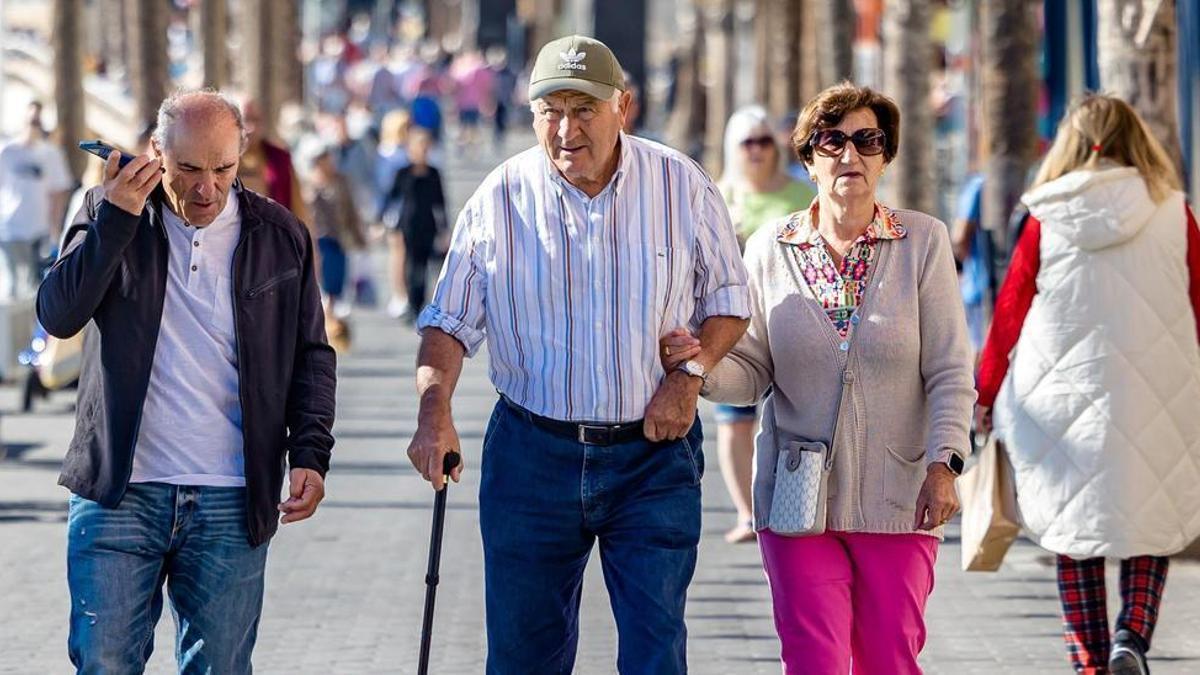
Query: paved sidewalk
{"x": 344, "y": 591}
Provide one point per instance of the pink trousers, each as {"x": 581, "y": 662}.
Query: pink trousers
{"x": 845, "y": 596}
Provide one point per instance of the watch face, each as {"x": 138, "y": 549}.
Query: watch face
{"x": 694, "y": 368}
{"x": 956, "y": 463}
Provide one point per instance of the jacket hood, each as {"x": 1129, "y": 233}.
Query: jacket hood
{"x": 1093, "y": 208}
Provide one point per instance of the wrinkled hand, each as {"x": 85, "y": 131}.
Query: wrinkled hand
{"x": 306, "y": 489}
{"x": 938, "y": 501}
{"x": 983, "y": 420}
{"x": 672, "y": 411}
{"x": 128, "y": 188}
{"x": 676, "y": 347}
{"x": 435, "y": 437}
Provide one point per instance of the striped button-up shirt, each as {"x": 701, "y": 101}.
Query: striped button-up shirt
{"x": 572, "y": 293}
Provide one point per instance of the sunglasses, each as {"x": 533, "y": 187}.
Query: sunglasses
{"x": 832, "y": 142}
{"x": 760, "y": 141}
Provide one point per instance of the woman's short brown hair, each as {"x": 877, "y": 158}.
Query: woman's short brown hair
{"x": 828, "y": 108}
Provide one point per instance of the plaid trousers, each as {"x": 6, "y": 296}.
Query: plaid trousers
{"x": 1085, "y": 609}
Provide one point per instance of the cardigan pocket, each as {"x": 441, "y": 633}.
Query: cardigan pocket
{"x": 902, "y": 475}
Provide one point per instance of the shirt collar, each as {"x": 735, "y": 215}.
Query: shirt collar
{"x": 624, "y": 168}
{"x": 799, "y": 229}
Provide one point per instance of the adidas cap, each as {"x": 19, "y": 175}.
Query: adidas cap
{"x": 577, "y": 63}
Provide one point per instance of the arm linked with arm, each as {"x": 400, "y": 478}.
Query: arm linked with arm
{"x": 745, "y": 371}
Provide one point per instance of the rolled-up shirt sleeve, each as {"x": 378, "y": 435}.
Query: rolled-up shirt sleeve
{"x": 721, "y": 285}
{"x": 458, "y": 308}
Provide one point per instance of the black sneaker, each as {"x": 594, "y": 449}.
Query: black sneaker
{"x": 1128, "y": 656}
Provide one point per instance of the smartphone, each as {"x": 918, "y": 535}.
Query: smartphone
{"x": 102, "y": 150}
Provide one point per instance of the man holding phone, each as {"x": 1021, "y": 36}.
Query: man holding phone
{"x": 205, "y": 367}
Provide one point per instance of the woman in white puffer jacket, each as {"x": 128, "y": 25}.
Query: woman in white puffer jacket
{"x": 1099, "y": 407}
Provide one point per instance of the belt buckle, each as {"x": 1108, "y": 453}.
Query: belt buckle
{"x": 585, "y": 428}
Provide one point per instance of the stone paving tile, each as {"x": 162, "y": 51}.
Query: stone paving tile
{"x": 345, "y": 590}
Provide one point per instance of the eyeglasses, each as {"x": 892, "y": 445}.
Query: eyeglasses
{"x": 832, "y": 142}
{"x": 760, "y": 141}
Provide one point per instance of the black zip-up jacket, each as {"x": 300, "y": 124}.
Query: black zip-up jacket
{"x": 111, "y": 278}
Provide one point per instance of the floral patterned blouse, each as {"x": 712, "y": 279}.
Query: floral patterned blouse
{"x": 839, "y": 288}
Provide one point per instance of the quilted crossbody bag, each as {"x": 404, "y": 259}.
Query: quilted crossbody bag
{"x": 802, "y": 484}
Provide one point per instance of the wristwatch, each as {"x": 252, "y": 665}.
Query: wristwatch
{"x": 955, "y": 462}
{"x": 693, "y": 368}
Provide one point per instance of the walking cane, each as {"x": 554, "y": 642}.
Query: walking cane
{"x": 435, "y": 560}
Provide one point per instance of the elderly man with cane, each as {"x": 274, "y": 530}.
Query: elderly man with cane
{"x": 571, "y": 260}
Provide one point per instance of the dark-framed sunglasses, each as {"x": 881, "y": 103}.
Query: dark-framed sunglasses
{"x": 760, "y": 141}
{"x": 832, "y": 142}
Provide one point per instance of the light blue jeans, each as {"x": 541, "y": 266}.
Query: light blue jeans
{"x": 192, "y": 538}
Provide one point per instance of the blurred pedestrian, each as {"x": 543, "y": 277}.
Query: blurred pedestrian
{"x": 504, "y": 85}
{"x": 425, "y": 87}
{"x": 472, "y": 95}
{"x": 975, "y": 253}
{"x": 35, "y": 185}
{"x": 355, "y": 158}
{"x": 419, "y": 202}
{"x": 568, "y": 260}
{"x": 266, "y": 167}
{"x": 336, "y": 227}
{"x": 1093, "y": 368}
{"x": 757, "y": 192}
{"x": 393, "y": 156}
{"x": 205, "y": 372}
{"x": 858, "y": 342}
{"x": 384, "y": 93}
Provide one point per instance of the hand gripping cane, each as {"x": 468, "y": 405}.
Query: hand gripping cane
{"x": 435, "y": 560}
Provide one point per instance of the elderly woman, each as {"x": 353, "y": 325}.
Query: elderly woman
{"x": 757, "y": 191}
{"x": 857, "y": 327}
{"x": 1097, "y": 317}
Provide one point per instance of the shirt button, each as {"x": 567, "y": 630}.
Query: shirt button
{"x": 194, "y": 268}
{"x": 845, "y": 346}
{"x": 196, "y": 243}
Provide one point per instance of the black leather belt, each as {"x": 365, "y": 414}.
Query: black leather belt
{"x": 580, "y": 432}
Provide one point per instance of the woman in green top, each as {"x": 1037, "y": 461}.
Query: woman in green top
{"x": 757, "y": 191}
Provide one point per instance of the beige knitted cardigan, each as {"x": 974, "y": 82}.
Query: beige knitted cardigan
{"x": 909, "y": 387}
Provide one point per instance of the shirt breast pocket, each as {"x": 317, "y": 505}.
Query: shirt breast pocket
{"x": 672, "y": 285}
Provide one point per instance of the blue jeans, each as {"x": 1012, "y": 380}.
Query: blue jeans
{"x": 194, "y": 539}
{"x": 543, "y": 503}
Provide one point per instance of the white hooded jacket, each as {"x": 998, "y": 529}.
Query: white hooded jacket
{"x": 1101, "y": 405}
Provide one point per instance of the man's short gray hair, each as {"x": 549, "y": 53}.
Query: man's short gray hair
{"x": 179, "y": 103}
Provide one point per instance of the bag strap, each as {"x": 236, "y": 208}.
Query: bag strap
{"x": 847, "y": 375}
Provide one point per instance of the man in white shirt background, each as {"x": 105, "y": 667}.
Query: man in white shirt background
{"x": 35, "y": 183}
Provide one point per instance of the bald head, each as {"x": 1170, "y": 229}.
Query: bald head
{"x": 186, "y": 111}
{"x": 200, "y": 139}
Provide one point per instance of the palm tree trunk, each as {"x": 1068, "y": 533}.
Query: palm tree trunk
{"x": 835, "y": 24}
{"x": 685, "y": 124}
{"x": 907, "y": 60}
{"x": 289, "y": 79}
{"x": 1010, "y": 85}
{"x": 114, "y": 49}
{"x": 718, "y": 77}
{"x": 808, "y": 66}
{"x": 68, "y": 80}
{"x": 780, "y": 24}
{"x": 146, "y": 35}
{"x": 214, "y": 27}
{"x": 1136, "y": 47}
